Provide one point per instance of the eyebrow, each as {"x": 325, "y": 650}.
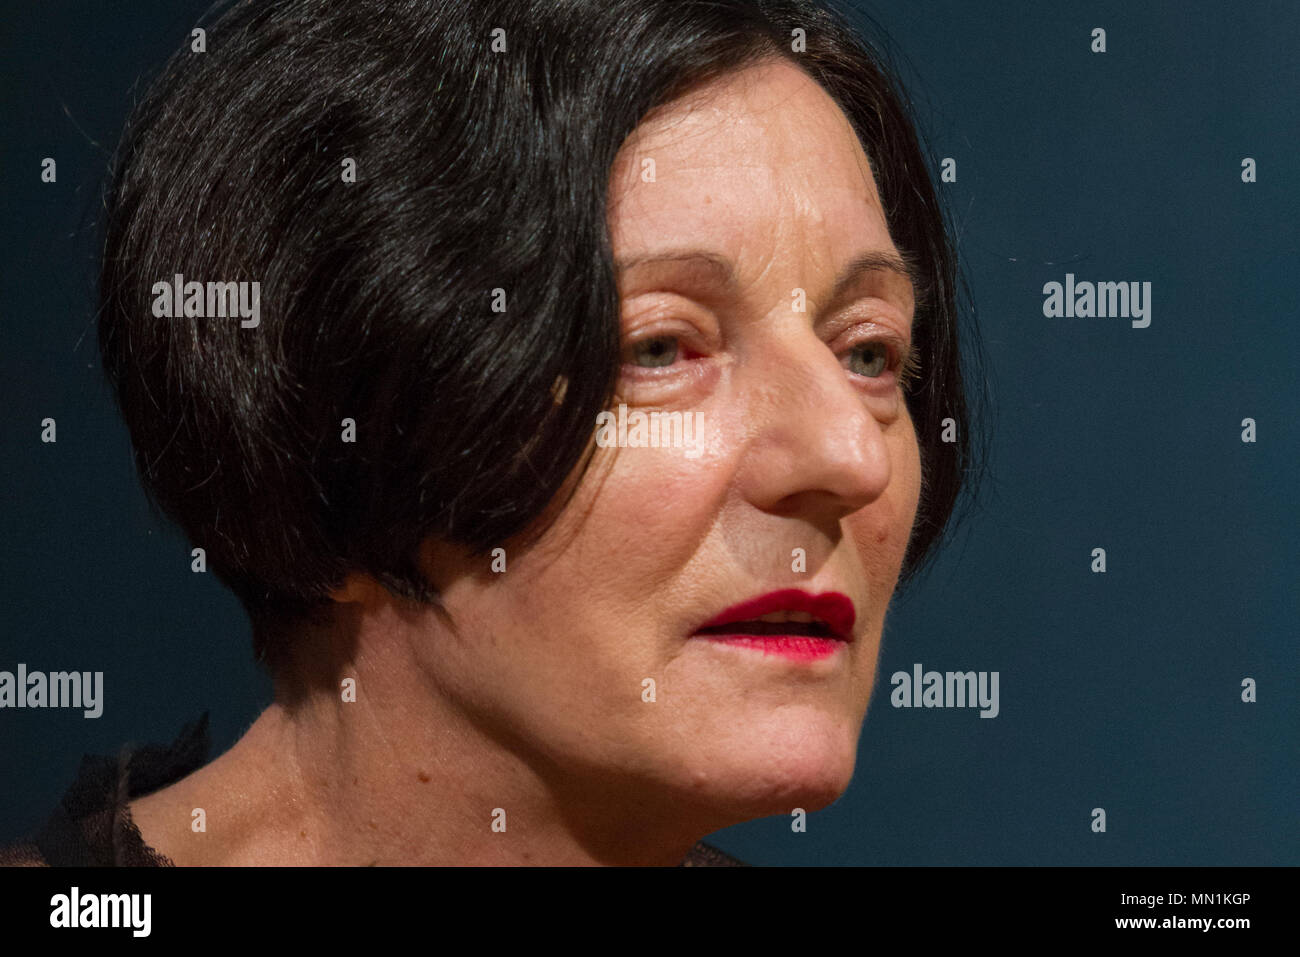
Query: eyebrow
{"x": 717, "y": 269}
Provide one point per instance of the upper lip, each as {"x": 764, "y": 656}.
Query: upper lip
{"x": 832, "y": 607}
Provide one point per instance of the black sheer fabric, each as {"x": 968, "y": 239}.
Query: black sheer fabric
{"x": 92, "y": 825}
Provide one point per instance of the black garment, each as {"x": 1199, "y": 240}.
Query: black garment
{"x": 92, "y": 826}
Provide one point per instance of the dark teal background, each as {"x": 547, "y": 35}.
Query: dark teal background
{"x": 1119, "y": 691}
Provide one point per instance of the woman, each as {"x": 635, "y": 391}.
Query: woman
{"x": 483, "y": 234}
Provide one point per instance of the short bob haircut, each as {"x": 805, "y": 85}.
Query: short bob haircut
{"x": 483, "y": 134}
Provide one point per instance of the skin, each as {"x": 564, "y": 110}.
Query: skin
{"x": 525, "y": 693}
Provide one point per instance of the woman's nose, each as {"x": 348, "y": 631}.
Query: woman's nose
{"x": 813, "y": 441}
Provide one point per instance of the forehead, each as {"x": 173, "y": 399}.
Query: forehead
{"x": 763, "y": 152}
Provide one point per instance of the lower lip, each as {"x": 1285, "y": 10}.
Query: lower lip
{"x": 797, "y": 647}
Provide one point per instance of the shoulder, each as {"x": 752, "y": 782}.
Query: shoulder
{"x": 23, "y": 854}
{"x": 92, "y": 826}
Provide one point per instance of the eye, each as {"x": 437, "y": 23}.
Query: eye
{"x": 654, "y": 353}
{"x": 868, "y": 359}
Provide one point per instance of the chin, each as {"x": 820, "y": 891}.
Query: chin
{"x": 774, "y": 766}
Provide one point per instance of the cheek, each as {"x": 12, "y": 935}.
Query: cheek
{"x": 910, "y": 476}
{"x": 882, "y": 530}
{"x": 598, "y": 592}
{"x": 634, "y": 529}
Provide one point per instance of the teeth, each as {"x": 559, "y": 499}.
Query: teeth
{"x": 779, "y": 616}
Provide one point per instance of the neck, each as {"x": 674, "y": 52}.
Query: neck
{"x": 392, "y": 772}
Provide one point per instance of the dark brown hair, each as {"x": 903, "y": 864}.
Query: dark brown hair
{"x": 477, "y": 169}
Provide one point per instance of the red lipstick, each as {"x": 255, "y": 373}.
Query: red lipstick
{"x": 831, "y": 625}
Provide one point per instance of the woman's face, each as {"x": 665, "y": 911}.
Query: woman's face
{"x": 804, "y": 474}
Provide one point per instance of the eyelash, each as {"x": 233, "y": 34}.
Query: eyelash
{"x": 905, "y": 367}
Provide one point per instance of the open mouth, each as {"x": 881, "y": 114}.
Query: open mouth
{"x": 792, "y": 623}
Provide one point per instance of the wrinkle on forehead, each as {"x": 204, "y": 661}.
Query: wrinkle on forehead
{"x": 727, "y": 125}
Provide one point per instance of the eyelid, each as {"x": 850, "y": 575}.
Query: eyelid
{"x": 659, "y": 301}
{"x": 858, "y": 333}
{"x": 686, "y": 338}
{"x": 669, "y": 319}
{"x": 869, "y": 309}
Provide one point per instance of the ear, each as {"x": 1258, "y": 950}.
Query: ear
{"x": 358, "y": 588}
